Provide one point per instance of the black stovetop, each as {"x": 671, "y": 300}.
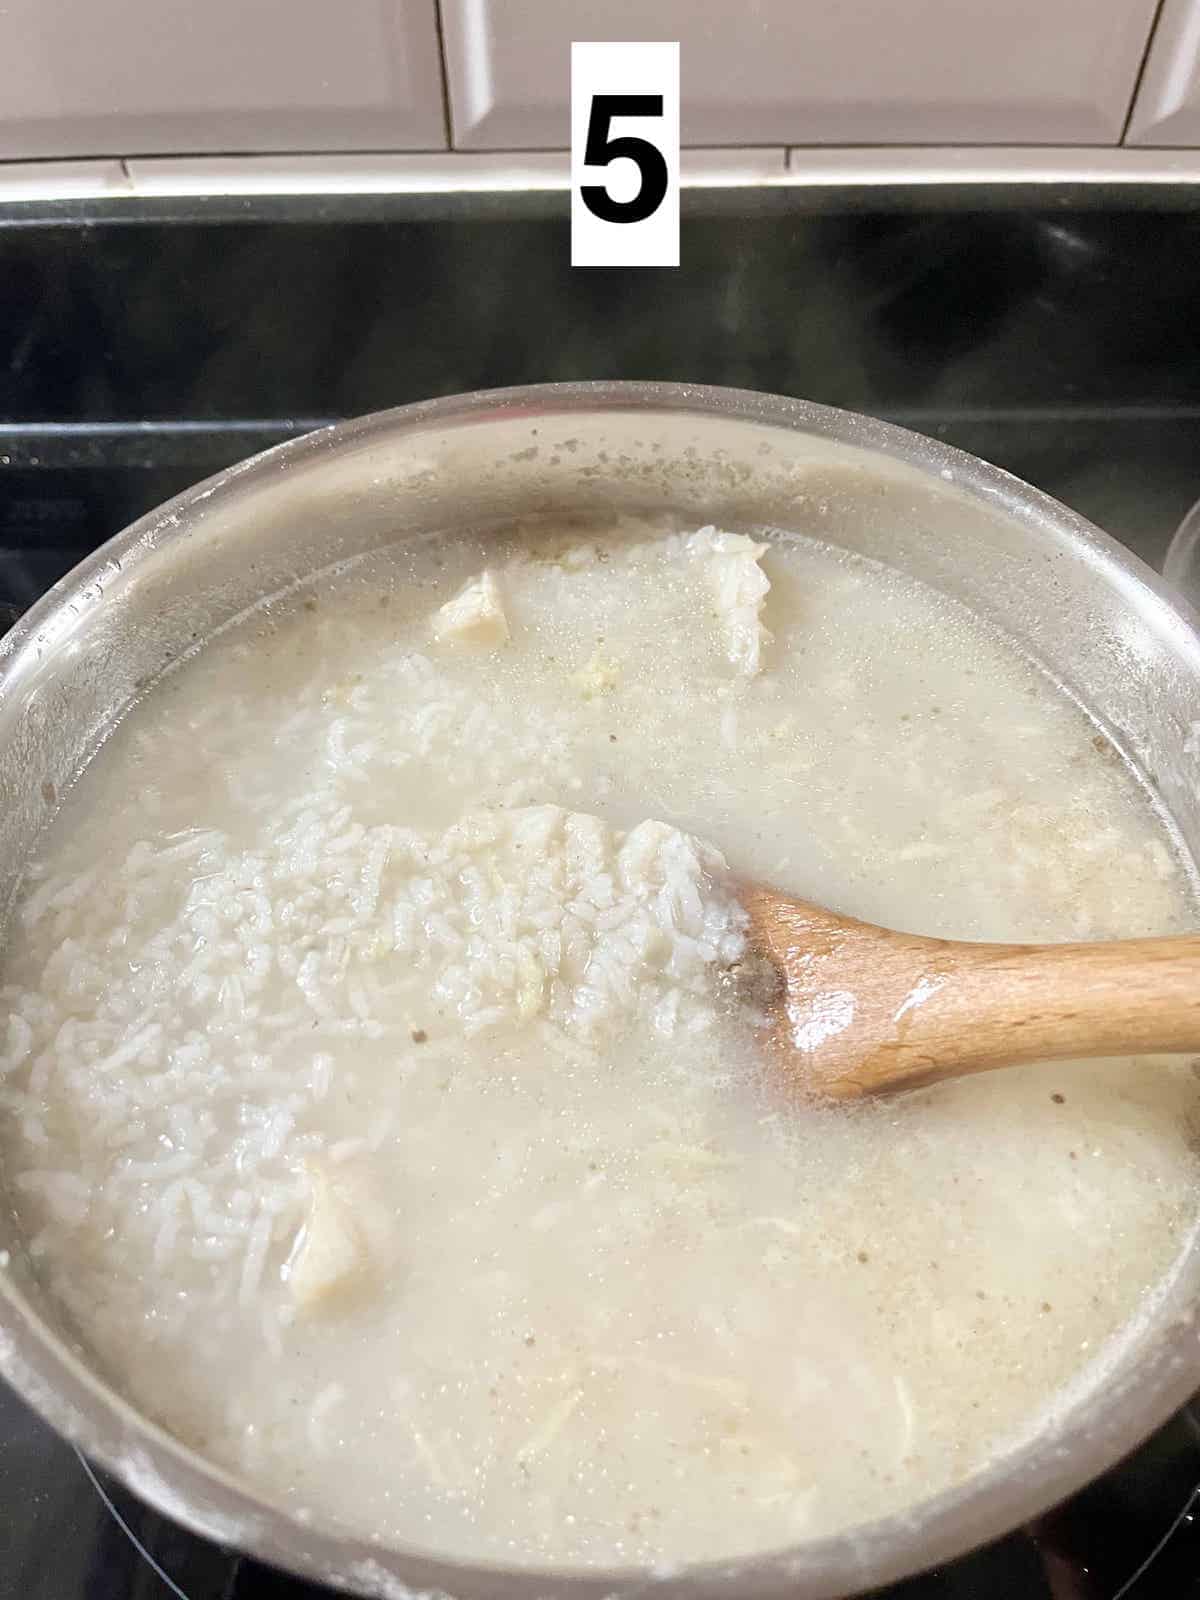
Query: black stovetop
{"x": 140, "y": 353}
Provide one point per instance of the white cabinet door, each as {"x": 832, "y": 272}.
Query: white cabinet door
{"x": 1168, "y": 103}
{"x": 129, "y": 77}
{"x": 814, "y": 71}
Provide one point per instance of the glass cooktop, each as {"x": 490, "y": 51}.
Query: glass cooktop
{"x": 140, "y": 352}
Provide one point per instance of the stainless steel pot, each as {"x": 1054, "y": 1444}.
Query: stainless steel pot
{"x": 1097, "y": 618}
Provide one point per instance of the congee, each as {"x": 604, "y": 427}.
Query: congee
{"x": 375, "y": 1102}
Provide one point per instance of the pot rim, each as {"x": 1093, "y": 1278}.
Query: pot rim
{"x": 1018, "y": 1486}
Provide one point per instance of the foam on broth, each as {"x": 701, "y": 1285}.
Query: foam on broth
{"x": 371, "y": 1206}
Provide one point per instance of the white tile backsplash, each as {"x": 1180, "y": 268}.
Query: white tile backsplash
{"x": 85, "y": 79}
{"x": 1168, "y": 103}
{"x": 127, "y": 77}
{"x": 814, "y": 71}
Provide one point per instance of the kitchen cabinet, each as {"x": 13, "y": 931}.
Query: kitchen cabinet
{"x": 136, "y": 77}
{"x": 1168, "y": 103}
{"x": 813, "y": 71}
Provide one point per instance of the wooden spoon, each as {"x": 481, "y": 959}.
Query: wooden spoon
{"x": 864, "y": 1010}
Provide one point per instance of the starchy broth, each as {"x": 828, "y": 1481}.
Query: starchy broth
{"x": 372, "y": 1099}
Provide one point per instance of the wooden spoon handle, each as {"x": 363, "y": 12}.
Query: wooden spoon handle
{"x": 989, "y": 1005}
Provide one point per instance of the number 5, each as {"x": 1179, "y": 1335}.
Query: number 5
{"x": 601, "y": 149}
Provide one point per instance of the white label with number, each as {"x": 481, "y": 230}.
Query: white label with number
{"x": 625, "y": 155}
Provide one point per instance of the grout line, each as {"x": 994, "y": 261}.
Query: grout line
{"x": 447, "y": 119}
{"x": 1141, "y": 72}
{"x": 123, "y": 183}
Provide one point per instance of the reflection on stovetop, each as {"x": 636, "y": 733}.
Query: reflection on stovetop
{"x": 137, "y": 359}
